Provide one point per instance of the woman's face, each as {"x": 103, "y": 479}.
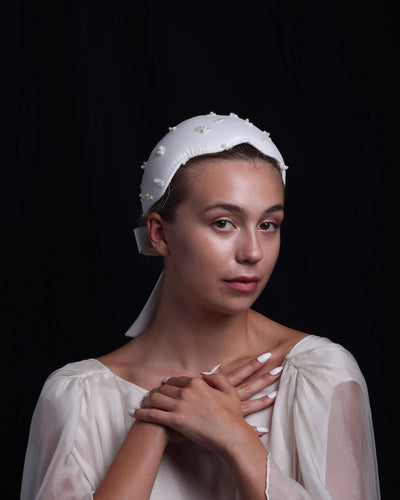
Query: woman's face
{"x": 224, "y": 241}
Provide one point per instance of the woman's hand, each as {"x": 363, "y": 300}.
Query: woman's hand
{"x": 205, "y": 410}
{"x": 240, "y": 379}
{"x": 237, "y": 378}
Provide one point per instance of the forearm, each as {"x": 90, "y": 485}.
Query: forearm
{"x": 247, "y": 459}
{"x": 134, "y": 469}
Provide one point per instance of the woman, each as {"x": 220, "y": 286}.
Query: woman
{"x": 151, "y": 419}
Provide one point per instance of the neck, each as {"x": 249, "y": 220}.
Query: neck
{"x": 192, "y": 340}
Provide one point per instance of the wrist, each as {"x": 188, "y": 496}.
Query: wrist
{"x": 246, "y": 457}
{"x": 242, "y": 439}
{"x": 158, "y": 434}
{"x": 244, "y": 448}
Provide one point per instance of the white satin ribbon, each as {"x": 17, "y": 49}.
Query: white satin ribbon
{"x": 150, "y": 308}
{"x": 148, "y": 312}
{"x": 143, "y": 242}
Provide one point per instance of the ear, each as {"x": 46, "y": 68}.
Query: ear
{"x": 156, "y": 229}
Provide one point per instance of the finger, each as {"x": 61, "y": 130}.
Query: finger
{"x": 169, "y": 390}
{"x": 240, "y": 374}
{"x": 253, "y": 405}
{"x": 220, "y": 382}
{"x": 248, "y": 389}
{"x": 177, "y": 381}
{"x": 212, "y": 371}
{"x": 166, "y": 390}
{"x": 153, "y": 415}
{"x": 160, "y": 401}
{"x": 260, "y": 430}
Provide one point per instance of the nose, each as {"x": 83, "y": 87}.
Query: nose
{"x": 249, "y": 249}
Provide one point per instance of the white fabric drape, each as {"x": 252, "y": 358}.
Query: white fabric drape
{"x": 321, "y": 431}
{"x": 321, "y": 443}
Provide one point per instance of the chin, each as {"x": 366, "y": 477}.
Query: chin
{"x": 234, "y": 307}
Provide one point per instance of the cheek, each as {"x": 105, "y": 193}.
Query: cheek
{"x": 209, "y": 252}
{"x": 271, "y": 254}
{"x": 200, "y": 241}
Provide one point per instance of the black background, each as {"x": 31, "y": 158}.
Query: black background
{"x": 91, "y": 86}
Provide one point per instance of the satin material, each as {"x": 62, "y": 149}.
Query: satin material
{"x": 148, "y": 312}
{"x": 321, "y": 442}
{"x": 197, "y": 136}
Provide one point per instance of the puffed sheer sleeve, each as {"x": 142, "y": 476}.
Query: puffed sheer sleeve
{"x": 51, "y": 462}
{"x": 322, "y": 442}
{"x": 350, "y": 464}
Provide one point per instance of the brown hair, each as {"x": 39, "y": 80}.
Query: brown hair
{"x": 177, "y": 189}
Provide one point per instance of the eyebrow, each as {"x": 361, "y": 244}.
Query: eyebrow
{"x": 230, "y": 207}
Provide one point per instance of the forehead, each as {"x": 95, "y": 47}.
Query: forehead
{"x": 245, "y": 181}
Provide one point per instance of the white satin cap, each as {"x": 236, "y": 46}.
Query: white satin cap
{"x": 200, "y": 135}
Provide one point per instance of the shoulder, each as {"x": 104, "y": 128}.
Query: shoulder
{"x": 273, "y": 336}
{"x": 315, "y": 356}
{"x": 308, "y": 355}
{"x": 63, "y": 388}
{"x": 75, "y": 372}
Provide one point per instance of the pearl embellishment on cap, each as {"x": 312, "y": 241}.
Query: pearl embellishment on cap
{"x": 198, "y": 136}
{"x": 203, "y": 129}
{"x": 146, "y": 196}
{"x": 159, "y": 182}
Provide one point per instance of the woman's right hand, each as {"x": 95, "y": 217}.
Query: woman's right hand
{"x": 245, "y": 379}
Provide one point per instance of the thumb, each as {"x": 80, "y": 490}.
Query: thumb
{"x": 219, "y": 382}
{"x": 212, "y": 371}
{"x": 209, "y": 376}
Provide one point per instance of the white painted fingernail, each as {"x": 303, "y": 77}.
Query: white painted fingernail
{"x": 264, "y": 357}
{"x": 165, "y": 380}
{"x": 272, "y": 395}
{"x": 262, "y": 430}
{"x": 131, "y": 412}
{"x": 211, "y": 372}
{"x": 276, "y": 370}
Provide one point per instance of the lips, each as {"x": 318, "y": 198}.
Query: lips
{"x": 243, "y": 283}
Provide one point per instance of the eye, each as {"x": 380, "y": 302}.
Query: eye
{"x": 223, "y": 225}
{"x": 268, "y": 226}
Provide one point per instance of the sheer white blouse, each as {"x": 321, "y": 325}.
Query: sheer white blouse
{"x": 321, "y": 442}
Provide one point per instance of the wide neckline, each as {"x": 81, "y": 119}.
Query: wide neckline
{"x": 307, "y": 337}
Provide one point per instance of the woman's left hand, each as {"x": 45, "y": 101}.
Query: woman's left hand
{"x": 205, "y": 410}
